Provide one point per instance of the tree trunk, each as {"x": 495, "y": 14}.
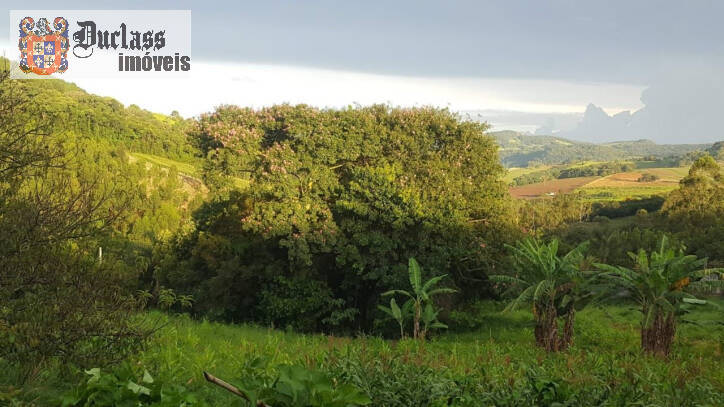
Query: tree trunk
{"x": 567, "y": 339}
{"x": 546, "y": 329}
{"x": 657, "y": 338}
{"x": 418, "y": 315}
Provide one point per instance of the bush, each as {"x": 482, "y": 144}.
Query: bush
{"x": 123, "y": 387}
{"x": 301, "y": 304}
{"x": 628, "y": 207}
{"x": 343, "y": 198}
{"x": 646, "y": 177}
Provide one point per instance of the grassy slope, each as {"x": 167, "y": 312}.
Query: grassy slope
{"x": 498, "y": 353}
{"x": 184, "y": 168}
{"x": 624, "y": 185}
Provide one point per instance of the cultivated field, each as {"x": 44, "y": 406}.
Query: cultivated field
{"x": 555, "y": 186}
{"x": 612, "y": 187}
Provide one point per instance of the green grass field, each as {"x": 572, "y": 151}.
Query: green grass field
{"x": 185, "y": 168}
{"x": 622, "y": 193}
{"x": 489, "y": 359}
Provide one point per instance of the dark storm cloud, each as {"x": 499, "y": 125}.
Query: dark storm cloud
{"x": 683, "y": 106}
{"x": 613, "y": 41}
{"x": 675, "y": 48}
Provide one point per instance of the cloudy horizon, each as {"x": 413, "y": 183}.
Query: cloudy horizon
{"x": 526, "y": 70}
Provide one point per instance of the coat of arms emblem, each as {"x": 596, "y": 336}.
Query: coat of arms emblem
{"x": 43, "y": 49}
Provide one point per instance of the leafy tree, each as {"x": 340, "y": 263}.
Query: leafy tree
{"x": 420, "y": 300}
{"x": 556, "y": 286}
{"x": 695, "y": 211}
{"x": 717, "y": 150}
{"x": 660, "y": 282}
{"x": 647, "y": 177}
{"x": 541, "y": 216}
{"x": 343, "y": 197}
{"x": 56, "y": 204}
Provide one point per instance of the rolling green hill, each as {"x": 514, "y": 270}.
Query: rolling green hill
{"x": 107, "y": 121}
{"x": 519, "y": 150}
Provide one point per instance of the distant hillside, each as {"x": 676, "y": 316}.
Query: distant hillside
{"x": 105, "y": 119}
{"x": 518, "y": 150}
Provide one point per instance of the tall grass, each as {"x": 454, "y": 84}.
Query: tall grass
{"x": 488, "y": 358}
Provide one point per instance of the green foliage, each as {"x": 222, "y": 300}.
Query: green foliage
{"x": 611, "y": 242}
{"x": 343, "y": 197}
{"x": 107, "y": 121}
{"x": 626, "y": 207}
{"x": 572, "y": 171}
{"x": 647, "y": 177}
{"x": 494, "y": 364}
{"x": 556, "y": 285}
{"x": 659, "y": 283}
{"x": 61, "y": 198}
{"x": 400, "y": 315}
{"x": 717, "y": 150}
{"x": 301, "y": 304}
{"x": 518, "y": 150}
{"x": 420, "y": 302}
{"x": 122, "y": 387}
{"x": 540, "y": 216}
{"x": 695, "y": 211}
{"x": 295, "y": 385}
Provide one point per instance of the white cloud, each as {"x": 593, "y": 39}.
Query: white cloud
{"x": 211, "y": 84}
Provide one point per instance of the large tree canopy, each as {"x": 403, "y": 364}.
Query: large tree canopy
{"x": 696, "y": 210}
{"x": 344, "y": 198}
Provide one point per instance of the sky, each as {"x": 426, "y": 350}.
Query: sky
{"x": 522, "y": 65}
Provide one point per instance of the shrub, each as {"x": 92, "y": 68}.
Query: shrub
{"x": 647, "y": 177}
{"x": 342, "y": 197}
{"x": 301, "y": 304}
{"x": 123, "y": 387}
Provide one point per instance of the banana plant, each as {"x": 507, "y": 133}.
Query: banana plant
{"x": 398, "y": 314}
{"x": 659, "y": 283}
{"x": 429, "y": 320}
{"x": 420, "y": 296}
{"x": 556, "y": 286}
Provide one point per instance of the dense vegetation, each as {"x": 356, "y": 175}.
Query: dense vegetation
{"x": 572, "y": 171}
{"x": 319, "y": 221}
{"x": 519, "y": 150}
{"x": 340, "y": 201}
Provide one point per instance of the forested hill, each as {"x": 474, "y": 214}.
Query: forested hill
{"x": 106, "y": 120}
{"x": 518, "y": 150}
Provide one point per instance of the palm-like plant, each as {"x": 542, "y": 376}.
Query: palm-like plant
{"x": 659, "y": 283}
{"x": 420, "y": 299}
{"x": 556, "y": 286}
{"x": 397, "y": 313}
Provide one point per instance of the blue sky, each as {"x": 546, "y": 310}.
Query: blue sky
{"x": 513, "y": 56}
